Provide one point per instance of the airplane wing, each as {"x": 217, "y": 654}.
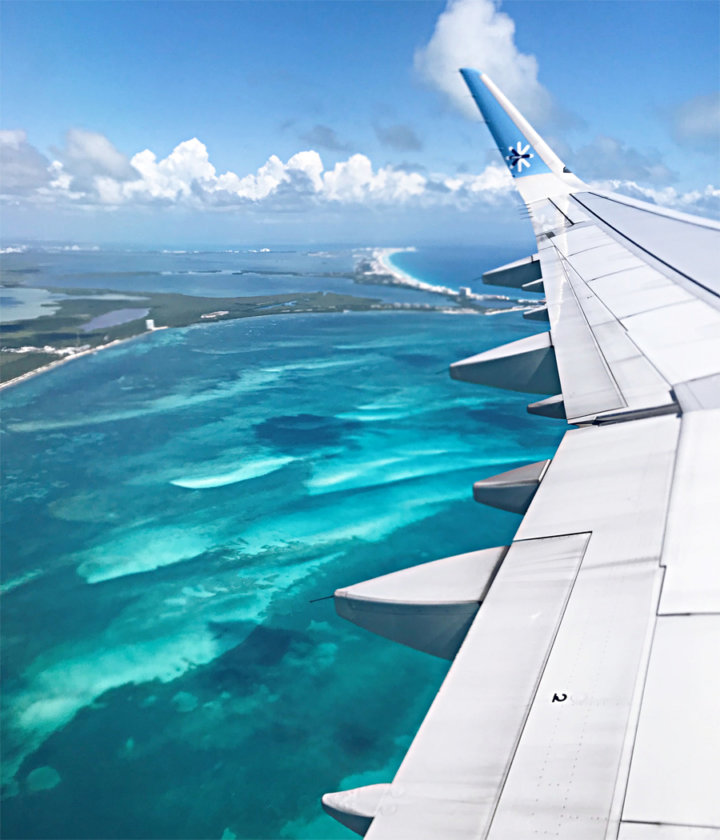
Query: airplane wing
{"x": 583, "y": 699}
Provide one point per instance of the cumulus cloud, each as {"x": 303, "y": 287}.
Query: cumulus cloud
{"x": 354, "y": 180}
{"x": 697, "y": 122}
{"x": 325, "y": 137}
{"x": 607, "y": 157}
{"x": 473, "y": 33}
{"x": 22, "y": 167}
{"x": 187, "y": 178}
{"x": 174, "y": 177}
{"x": 400, "y": 137}
{"x": 88, "y": 154}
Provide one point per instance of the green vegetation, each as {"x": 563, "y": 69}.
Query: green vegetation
{"x": 13, "y": 365}
{"x": 64, "y": 328}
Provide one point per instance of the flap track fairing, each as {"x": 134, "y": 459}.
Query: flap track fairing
{"x": 513, "y": 490}
{"x": 526, "y": 365}
{"x": 429, "y": 607}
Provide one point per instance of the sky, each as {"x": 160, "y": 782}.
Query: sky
{"x": 340, "y": 120}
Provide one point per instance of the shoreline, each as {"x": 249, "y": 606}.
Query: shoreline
{"x": 381, "y": 264}
{"x": 377, "y": 268}
{"x": 23, "y": 377}
{"x": 382, "y": 259}
{"x": 70, "y": 357}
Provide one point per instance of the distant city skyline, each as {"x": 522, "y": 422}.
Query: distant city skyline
{"x": 271, "y": 122}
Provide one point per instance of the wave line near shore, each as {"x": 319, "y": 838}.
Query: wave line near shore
{"x": 382, "y": 265}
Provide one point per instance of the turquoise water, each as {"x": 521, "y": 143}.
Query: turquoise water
{"x": 170, "y": 508}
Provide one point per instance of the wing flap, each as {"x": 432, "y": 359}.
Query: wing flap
{"x": 682, "y": 340}
{"x": 676, "y": 332}
{"x": 600, "y": 368}
{"x": 612, "y": 480}
{"x": 453, "y": 773}
{"x": 676, "y": 759}
{"x": 637, "y": 290}
{"x": 690, "y": 553}
{"x": 588, "y": 386}
{"x": 566, "y": 766}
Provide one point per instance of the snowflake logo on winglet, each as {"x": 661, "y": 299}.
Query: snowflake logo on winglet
{"x": 519, "y": 156}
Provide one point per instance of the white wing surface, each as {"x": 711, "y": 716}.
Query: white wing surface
{"x": 584, "y": 696}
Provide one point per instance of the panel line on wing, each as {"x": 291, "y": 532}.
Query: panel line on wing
{"x": 692, "y": 577}
{"x": 551, "y": 536}
{"x": 561, "y": 761}
{"x": 565, "y": 215}
{"x": 617, "y": 806}
{"x": 456, "y": 766}
{"x": 637, "y": 245}
{"x": 671, "y": 824}
{"x": 636, "y": 378}
{"x": 540, "y": 675}
{"x": 588, "y": 384}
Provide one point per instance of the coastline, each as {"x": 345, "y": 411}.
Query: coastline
{"x": 381, "y": 264}
{"x": 38, "y": 336}
{"x": 208, "y": 319}
{"x": 376, "y": 267}
{"x": 69, "y": 358}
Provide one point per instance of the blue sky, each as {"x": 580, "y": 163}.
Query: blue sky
{"x": 366, "y": 92}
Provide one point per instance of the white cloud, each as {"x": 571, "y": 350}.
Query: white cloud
{"x": 174, "y": 176}
{"x": 354, "y": 180}
{"x": 264, "y": 182}
{"x": 473, "y": 33}
{"x": 22, "y": 167}
{"x": 187, "y": 178}
{"x": 492, "y": 183}
{"x": 697, "y": 122}
{"x": 311, "y": 164}
{"x": 88, "y": 154}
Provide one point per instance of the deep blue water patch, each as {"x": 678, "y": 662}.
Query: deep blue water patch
{"x": 294, "y": 432}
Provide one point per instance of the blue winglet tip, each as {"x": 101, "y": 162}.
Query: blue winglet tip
{"x": 473, "y": 79}
{"x": 509, "y": 137}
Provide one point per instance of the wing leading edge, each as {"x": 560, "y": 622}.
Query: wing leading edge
{"x": 582, "y": 697}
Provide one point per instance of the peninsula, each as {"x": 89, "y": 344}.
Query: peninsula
{"x": 89, "y": 320}
{"x": 78, "y": 321}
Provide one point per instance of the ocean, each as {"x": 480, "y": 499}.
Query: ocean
{"x": 173, "y": 506}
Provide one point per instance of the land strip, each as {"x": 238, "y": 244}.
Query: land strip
{"x": 30, "y": 346}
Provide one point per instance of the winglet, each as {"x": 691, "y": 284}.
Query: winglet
{"x": 523, "y": 149}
